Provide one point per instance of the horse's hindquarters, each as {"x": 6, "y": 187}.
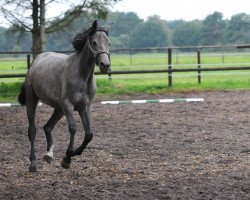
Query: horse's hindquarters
{"x": 45, "y": 77}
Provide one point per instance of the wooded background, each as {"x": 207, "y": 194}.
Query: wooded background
{"x": 129, "y": 31}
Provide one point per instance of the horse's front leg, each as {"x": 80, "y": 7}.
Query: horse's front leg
{"x": 85, "y": 117}
{"x": 57, "y": 115}
{"x": 68, "y": 111}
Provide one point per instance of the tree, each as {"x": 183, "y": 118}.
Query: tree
{"x": 124, "y": 22}
{"x": 213, "y": 29}
{"x": 18, "y": 13}
{"x": 152, "y": 33}
{"x": 120, "y": 42}
{"x": 175, "y": 23}
{"x": 238, "y": 29}
{"x": 187, "y": 34}
{"x": 123, "y": 25}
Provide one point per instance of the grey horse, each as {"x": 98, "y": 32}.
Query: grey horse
{"x": 66, "y": 83}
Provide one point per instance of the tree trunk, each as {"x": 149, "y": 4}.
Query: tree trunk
{"x": 35, "y": 30}
{"x": 42, "y": 25}
{"x": 38, "y": 31}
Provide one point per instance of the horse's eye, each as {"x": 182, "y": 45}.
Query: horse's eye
{"x": 94, "y": 43}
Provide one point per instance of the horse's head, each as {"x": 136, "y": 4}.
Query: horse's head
{"x": 99, "y": 46}
{"x": 96, "y": 38}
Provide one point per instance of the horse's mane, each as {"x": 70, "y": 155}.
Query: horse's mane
{"x": 81, "y": 38}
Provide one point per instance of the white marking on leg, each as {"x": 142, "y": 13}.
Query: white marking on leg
{"x": 50, "y": 153}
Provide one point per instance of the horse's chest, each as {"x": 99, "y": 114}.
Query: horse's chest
{"x": 80, "y": 94}
{"x": 80, "y": 98}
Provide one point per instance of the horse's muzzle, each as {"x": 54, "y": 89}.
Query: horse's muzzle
{"x": 104, "y": 67}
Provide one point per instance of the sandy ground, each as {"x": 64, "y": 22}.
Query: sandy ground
{"x": 198, "y": 150}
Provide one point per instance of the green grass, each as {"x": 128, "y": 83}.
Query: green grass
{"x": 148, "y": 83}
{"x": 9, "y": 91}
{"x": 16, "y": 66}
{"x": 158, "y": 83}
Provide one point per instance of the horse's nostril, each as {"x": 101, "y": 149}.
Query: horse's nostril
{"x": 107, "y": 66}
{"x": 104, "y": 67}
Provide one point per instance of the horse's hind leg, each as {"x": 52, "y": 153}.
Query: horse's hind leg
{"x": 57, "y": 115}
{"x": 31, "y": 103}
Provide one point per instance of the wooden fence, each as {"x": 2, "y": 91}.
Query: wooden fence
{"x": 169, "y": 68}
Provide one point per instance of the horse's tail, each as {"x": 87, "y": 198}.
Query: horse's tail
{"x": 22, "y": 96}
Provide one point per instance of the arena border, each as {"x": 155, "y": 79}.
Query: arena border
{"x": 153, "y": 101}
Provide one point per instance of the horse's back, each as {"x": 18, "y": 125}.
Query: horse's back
{"x": 48, "y": 61}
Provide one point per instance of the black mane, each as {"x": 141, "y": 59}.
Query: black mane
{"x": 81, "y": 38}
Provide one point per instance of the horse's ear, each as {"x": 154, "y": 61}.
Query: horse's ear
{"x": 109, "y": 27}
{"x": 94, "y": 25}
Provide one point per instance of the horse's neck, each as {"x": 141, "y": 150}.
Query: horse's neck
{"x": 86, "y": 64}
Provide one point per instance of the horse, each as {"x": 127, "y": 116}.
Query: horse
{"x": 67, "y": 84}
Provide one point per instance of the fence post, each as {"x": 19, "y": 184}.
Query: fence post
{"x": 199, "y": 66}
{"x": 169, "y": 67}
{"x": 222, "y": 55}
{"x": 28, "y": 61}
{"x": 130, "y": 58}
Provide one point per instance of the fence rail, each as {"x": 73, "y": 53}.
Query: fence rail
{"x": 169, "y": 66}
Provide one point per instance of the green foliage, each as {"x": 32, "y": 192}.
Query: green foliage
{"x": 152, "y": 33}
{"x": 213, "y": 29}
{"x": 129, "y": 30}
{"x": 187, "y": 34}
{"x": 238, "y": 29}
{"x": 120, "y": 42}
{"x": 123, "y": 23}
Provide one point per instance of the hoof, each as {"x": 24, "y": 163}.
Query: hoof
{"x": 64, "y": 164}
{"x": 47, "y": 158}
{"x": 32, "y": 168}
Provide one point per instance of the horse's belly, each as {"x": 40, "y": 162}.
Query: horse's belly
{"x": 51, "y": 95}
